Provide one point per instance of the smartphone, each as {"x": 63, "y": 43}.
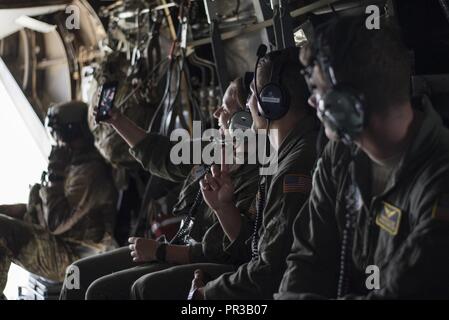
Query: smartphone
{"x": 106, "y": 100}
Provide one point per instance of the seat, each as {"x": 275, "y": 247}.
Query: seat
{"x": 436, "y": 87}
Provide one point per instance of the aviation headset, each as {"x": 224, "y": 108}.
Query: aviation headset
{"x": 273, "y": 98}
{"x": 68, "y": 121}
{"x": 342, "y": 108}
{"x": 242, "y": 119}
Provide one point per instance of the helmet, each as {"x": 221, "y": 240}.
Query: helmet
{"x": 68, "y": 121}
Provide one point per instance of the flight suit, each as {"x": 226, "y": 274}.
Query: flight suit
{"x": 403, "y": 231}
{"x": 111, "y": 275}
{"x": 287, "y": 191}
{"x": 72, "y": 218}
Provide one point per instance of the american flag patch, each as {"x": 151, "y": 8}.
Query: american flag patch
{"x": 441, "y": 209}
{"x": 298, "y": 183}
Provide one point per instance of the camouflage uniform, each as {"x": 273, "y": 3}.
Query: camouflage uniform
{"x": 111, "y": 275}
{"x": 64, "y": 221}
{"x": 404, "y": 230}
{"x": 111, "y": 146}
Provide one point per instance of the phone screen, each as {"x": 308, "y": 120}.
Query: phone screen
{"x": 106, "y": 101}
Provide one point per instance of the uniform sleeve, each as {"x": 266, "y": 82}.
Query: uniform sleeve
{"x": 419, "y": 268}
{"x": 315, "y": 250}
{"x": 216, "y": 246}
{"x": 259, "y": 278}
{"x": 196, "y": 254}
{"x": 153, "y": 153}
{"x": 239, "y": 250}
{"x": 87, "y": 192}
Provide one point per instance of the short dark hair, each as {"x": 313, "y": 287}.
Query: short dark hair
{"x": 239, "y": 92}
{"x": 290, "y": 78}
{"x": 373, "y": 62}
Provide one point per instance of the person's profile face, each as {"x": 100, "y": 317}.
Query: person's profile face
{"x": 318, "y": 86}
{"x": 229, "y": 106}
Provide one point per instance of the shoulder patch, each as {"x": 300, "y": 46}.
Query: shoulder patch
{"x": 389, "y": 218}
{"x": 440, "y": 210}
{"x": 297, "y": 183}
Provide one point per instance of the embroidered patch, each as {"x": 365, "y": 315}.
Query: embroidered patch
{"x": 389, "y": 218}
{"x": 298, "y": 183}
{"x": 440, "y": 210}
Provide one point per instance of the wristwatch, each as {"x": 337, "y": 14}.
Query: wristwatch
{"x": 161, "y": 252}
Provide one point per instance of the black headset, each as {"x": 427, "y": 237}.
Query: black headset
{"x": 342, "y": 108}
{"x": 66, "y": 131}
{"x": 242, "y": 119}
{"x": 273, "y": 99}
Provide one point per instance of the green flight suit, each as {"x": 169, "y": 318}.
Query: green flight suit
{"x": 288, "y": 189}
{"x": 404, "y": 231}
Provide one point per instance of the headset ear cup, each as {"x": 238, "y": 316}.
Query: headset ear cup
{"x": 273, "y": 102}
{"x": 344, "y": 111}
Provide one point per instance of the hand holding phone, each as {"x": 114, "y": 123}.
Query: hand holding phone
{"x": 106, "y": 101}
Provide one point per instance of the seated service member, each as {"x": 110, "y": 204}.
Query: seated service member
{"x": 292, "y": 132}
{"x": 376, "y": 225}
{"x": 72, "y": 214}
{"x": 111, "y": 275}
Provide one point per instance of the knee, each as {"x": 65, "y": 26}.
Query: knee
{"x": 72, "y": 288}
{"x": 141, "y": 289}
{"x": 10, "y": 228}
{"x": 78, "y": 277}
{"x": 97, "y": 290}
{"x": 5, "y": 222}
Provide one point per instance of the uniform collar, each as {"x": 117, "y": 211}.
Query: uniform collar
{"x": 417, "y": 152}
{"x": 305, "y": 126}
{"x": 422, "y": 143}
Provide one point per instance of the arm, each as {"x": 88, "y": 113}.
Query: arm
{"x": 216, "y": 245}
{"x": 16, "y": 211}
{"x": 259, "y": 278}
{"x": 151, "y": 150}
{"x": 419, "y": 267}
{"x": 144, "y": 250}
{"x": 218, "y": 192}
{"x": 239, "y": 251}
{"x": 85, "y": 192}
{"x": 127, "y": 129}
{"x": 312, "y": 266}
{"x": 230, "y": 220}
